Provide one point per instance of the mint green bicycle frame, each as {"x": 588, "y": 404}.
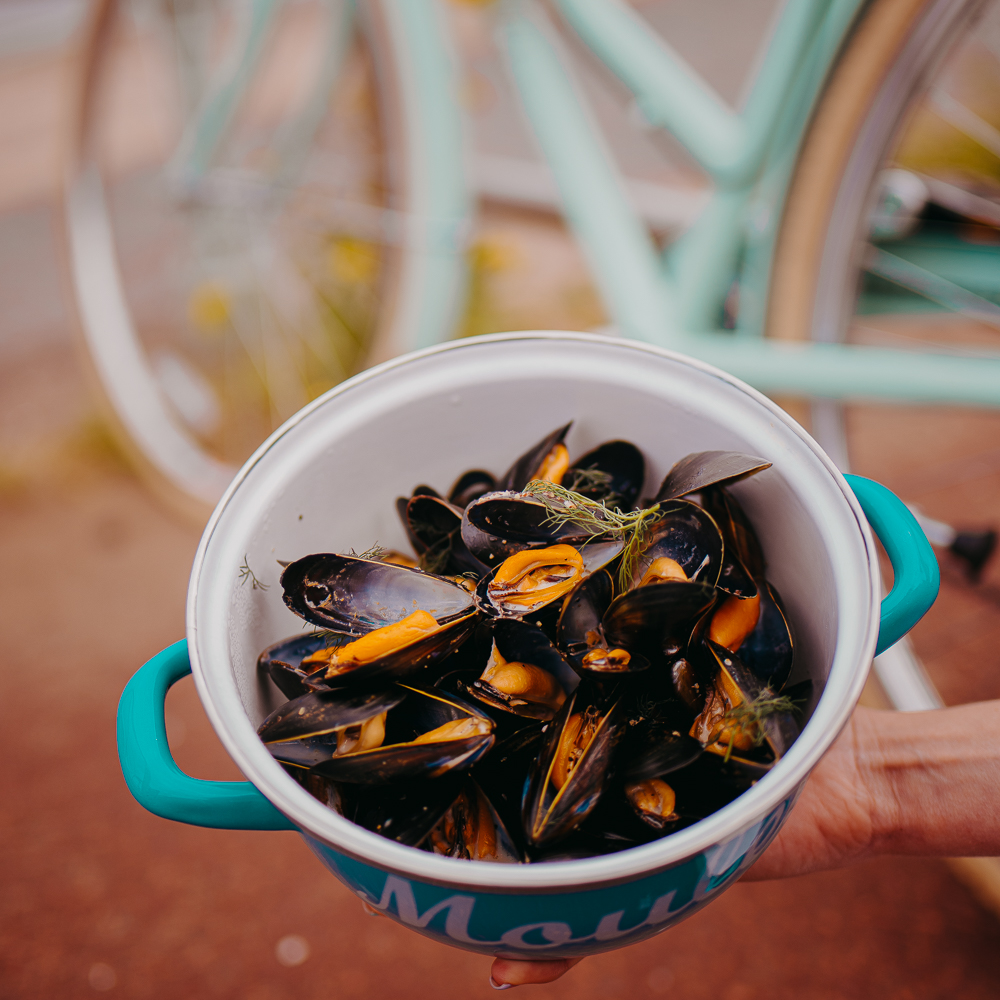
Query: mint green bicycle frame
{"x": 676, "y": 299}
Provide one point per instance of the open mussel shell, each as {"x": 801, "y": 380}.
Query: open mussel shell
{"x": 580, "y": 632}
{"x": 471, "y": 486}
{"x": 665, "y": 751}
{"x": 768, "y": 650}
{"x": 399, "y": 661}
{"x": 687, "y": 535}
{"x": 526, "y": 467}
{"x": 702, "y": 469}
{"x": 282, "y": 662}
{"x": 780, "y": 728}
{"x": 472, "y": 830}
{"x": 404, "y": 812}
{"x": 406, "y": 753}
{"x": 572, "y": 769}
{"x": 355, "y": 596}
{"x": 535, "y": 678}
{"x": 736, "y": 529}
{"x": 321, "y": 712}
{"x": 304, "y": 754}
{"x": 648, "y": 617}
{"x": 503, "y": 773}
{"x": 620, "y": 471}
{"x": 579, "y": 628}
{"x": 434, "y": 527}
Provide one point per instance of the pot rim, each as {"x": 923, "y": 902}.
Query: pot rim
{"x": 322, "y": 824}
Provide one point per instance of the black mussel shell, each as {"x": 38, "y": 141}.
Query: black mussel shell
{"x": 702, "y": 469}
{"x": 736, "y": 529}
{"x": 687, "y": 534}
{"x": 405, "y": 661}
{"x": 405, "y": 812}
{"x": 503, "y": 774}
{"x": 435, "y": 529}
{"x": 665, "y": 751}
{"x": 524, "y": 469}
{"x": 580, "y": 632}
{"x": 551, "y": 811}
{"x": 734, "y": 578}
{"x": 354, "y": 596}
{"x": 283, "y": 660}
{"x": 646, "y": 618}
{"x": 400, "y": 758}
{"x": 621, "y": 471}
{"x": 768, "y": 649}
{"x": 519, "y": 642}
{"x": 579, "y": 629}
{"x": 781, "y": 729}
{"x": 305, "y": 753}
{"x": 321, "y": 712}
{"x": 471, "y": 830}
{"x": 328, "y": 792}
{"x": 471, "y": 486}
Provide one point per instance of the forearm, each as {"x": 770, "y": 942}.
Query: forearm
{"x": 933, "y": 779}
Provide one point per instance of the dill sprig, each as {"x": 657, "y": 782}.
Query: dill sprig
{"x": 373, "y": 553}
{"x": 635, "y": 528}
{"x": 746, "y": 718}
{"x": 593, "y": 480}
{"x": 247, "y": 574}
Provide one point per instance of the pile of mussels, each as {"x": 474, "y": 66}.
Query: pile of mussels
{"x": 559, "y": 674}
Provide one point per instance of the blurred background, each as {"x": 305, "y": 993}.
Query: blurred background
{"x": 250, "y": 297}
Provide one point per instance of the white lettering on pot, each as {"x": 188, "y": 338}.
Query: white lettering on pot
{"x": 554, "y": 932}
{"x": 456, "y": 924}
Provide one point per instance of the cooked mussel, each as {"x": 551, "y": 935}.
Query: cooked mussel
{"x": 547, "y": 460}
{"x": 573, "y": 767}
{"x": 320, "y": 713}
{"x": 533, "y": 578}
{"x": 471, "y": 486}
{"x": 472, "y": 830}
{"x": 393, "y": 652}
{"x": 769, "y": 649}
{"x": 743, "y": 719}
{"x": 684, "y": 543}
{"x": 653, "y": 801}
{"x": 525, "y": 673}
{"x": 612, "y": 474}
{"x": 434, "y": 527}
{"x": 353, "y": 595}
{"x": 649, "y": 617}
{"x": 699, "y": 470}
{"x": 429, "y": 734}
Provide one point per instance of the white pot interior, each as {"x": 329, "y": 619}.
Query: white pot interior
{"x": 328, "y": 481}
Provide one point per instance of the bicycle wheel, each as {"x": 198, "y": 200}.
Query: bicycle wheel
{"x": 844, "y": 213}
{"x": 263, "y": 197}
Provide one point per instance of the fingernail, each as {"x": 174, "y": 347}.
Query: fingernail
{"x": 499, "y": 986}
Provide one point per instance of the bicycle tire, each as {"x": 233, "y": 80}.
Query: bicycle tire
{"x": 882, "y": 68}
{"x": 421, "y": 270}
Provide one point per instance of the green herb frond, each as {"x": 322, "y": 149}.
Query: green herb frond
{"x": 247, "y": 575}
{"x": 373, "y": 553}
{"x": 595, "y": 518}
{"x": 595, "y": 480}
{"x": 746, "y": 718}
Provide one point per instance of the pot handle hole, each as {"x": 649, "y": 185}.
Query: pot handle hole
{"x": 914, "y": 565}
{"x": 156, "y": 781}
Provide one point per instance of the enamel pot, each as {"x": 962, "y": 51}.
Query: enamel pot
{"x": 327, "y": 481}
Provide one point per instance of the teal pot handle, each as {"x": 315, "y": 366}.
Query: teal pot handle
{"x": 156, "y": 781}
{"x": 914, "y": 565}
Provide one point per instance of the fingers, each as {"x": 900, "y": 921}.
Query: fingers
{"x": 508, "y": 972}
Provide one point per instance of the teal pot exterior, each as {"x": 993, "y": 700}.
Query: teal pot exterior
{"x": 558, "y": 924}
